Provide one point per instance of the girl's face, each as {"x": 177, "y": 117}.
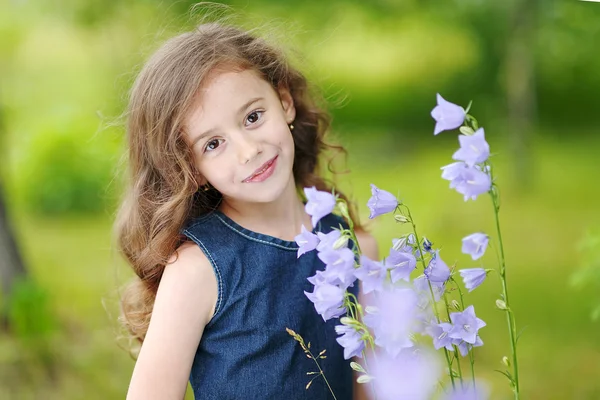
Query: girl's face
{"x": 240, "y": 137}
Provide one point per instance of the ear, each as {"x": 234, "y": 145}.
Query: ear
{"x": 287, "y": 103}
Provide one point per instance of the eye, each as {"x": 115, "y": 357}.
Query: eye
{"x": 212, "y": 144}
{"x": 253, "y": 117}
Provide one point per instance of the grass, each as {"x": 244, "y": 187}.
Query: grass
{"x": 72, "y": 261}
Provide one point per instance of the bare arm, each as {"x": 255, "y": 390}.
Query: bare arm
{"x": 369, "y": 248}
{"x": 184, "y": 304}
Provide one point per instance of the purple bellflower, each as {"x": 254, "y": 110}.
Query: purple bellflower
{"x": 473, "y": 277}
{"x": 394, "y": 319}
{"x": 475, "y": 244}
{"x": 421, "y": 284}
{"x": 404, "y": 244}
{"x": 473, "y": 148}
{"x": 413, "y": 375}
{"x": 339, "y": 268}
{"x": 400, "y": 264}
{"x": 470, "y": 182}
{"x": 319, "y": 278}
{"x": 463, "y": 347}
{"x": 328, "y": 300}
{"x": 465, "y": 325}
{"x": 437, "y": 270}
{"x": 439, "y": 333}
{"x": 371, "y": 273}
{"x": 447, "y": 115}
{"x": 351, "y": 341}
{"x": 467, "y": 392}
{"x": 306, "y": 241}
{"x": 327, "y": 240}
{"x": 381, "y": 202}
{"x": 319, "y": 204}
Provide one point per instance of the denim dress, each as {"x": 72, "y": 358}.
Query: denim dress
{"x": 245, "y": 351}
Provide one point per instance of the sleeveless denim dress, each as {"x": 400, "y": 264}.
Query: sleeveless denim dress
{"x": 245, "y": 351}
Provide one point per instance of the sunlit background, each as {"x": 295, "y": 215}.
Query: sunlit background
{"x": 531, "y": 68}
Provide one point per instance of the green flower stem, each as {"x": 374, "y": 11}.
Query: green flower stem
{"x": 472, "y": 359}
{"x": 437, "y": 315}
{"x": 512, "y": 330}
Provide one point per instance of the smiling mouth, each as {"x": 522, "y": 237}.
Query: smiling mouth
{"x": 261, "y": 169}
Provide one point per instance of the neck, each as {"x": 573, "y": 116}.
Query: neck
{"x": 282, "y": 218}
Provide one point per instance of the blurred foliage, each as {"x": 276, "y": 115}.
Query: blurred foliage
{"x": 64, "y": 63}
{"x": 588, "y": 273}
{"x": 70, "y": 175}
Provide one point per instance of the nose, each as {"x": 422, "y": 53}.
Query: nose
{"x": 248, "y": 149}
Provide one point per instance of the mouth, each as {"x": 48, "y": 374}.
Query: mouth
{"x": 263, "y": 172}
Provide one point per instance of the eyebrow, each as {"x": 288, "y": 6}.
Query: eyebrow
{"x": 240, "y": 110}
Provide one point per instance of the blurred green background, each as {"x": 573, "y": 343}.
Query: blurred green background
{"x": 530, "y": 67}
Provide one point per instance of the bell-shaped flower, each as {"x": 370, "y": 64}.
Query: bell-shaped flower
{"x": 475, "y": 183}
{"x": 319, "y": 278}
{"x": 453, "y": 173}
{"x": 393, "y": 318}
{"x": 473, "y": 277}
{"x": 475, "y": 244}
{"x": 327, "y": 240}
{"x": 465, "y": 325}
{"x": 328, "y": 300}
{"x": 470, "y": 182}
{"x": 306, "y": 241}
{"x": 351, "y": 341}
{"x": 413, "y": 374}
{"x": 473, "y": 148}
{"x": 439, "y": 333}
{"x": 400, "y": 264}
{"x": 404, "y": 244}
{"x": 437, "y": 270}
{"x": 463, "y": 347}
{"x": 371, "y": 273}
{"x": 381, "y": 202}
{"x": 339, "y": 268}
{"x": 467, "y": 392}
{"x": 319, "y": 204}
{"x": 447, "y": 115}
{"x": 422, "y": 283}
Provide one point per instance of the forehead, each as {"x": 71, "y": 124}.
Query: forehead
{"x": 223, "y": 93}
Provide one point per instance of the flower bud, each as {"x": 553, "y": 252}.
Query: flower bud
{"x": 501, "y": 304}
{"x": 371, "y": 310}
{"x": 343, "y": 208}
{"x": 455, "y": 305}
{"x": 400, "y": 244}
{"x": 341, "y": 242}
{"x": 364, "y": 379}
{"x": 466, "y": 130}
{"x": 348, "y": 321}
{"x": 505, "y": 361}
{"x": 401, "y": 219}
{"x": 357, "y": 367}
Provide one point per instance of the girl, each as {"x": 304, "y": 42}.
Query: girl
{"x": 222, "y": 138}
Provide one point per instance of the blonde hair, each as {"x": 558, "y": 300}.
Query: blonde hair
{"x": 163, "y": 192}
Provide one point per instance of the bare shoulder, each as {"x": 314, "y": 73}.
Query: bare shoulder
{"x": 367, "y": 244}
{"x": 184, "y": 304}
{"x": 190, "y": 275}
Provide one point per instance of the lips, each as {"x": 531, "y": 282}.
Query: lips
{"x": 261, "y": 169}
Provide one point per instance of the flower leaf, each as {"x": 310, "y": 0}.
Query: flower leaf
{"x": 364, "y": 379}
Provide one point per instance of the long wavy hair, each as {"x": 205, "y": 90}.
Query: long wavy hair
{"x": 162, "y": 191}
